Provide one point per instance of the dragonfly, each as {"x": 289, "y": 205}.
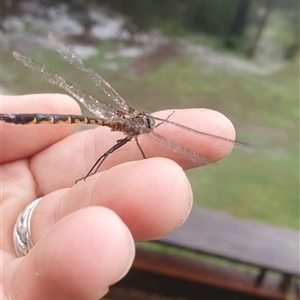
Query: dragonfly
{"x": 124, "y": 118}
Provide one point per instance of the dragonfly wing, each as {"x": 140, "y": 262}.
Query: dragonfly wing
{"x": 67, "y": 53}
{"x": 238, "y": 144}
{"x": 183, "y": 151}
{"x": 99, "y": 109}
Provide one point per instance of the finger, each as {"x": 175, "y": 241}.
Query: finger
{"x": 21, "y": 141}
{"x": 17, "y": 190}
{"x": 3, "y": 295}
{"x": 152, "y": 197}
{"x": 73, "y": 157}
{"x": 206, "y": 122}
{"x": 78, "y": 258}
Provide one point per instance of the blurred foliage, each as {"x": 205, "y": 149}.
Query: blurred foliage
{"x": 288, "y": 4}
{"x": 213, "y": 17}
{"x": 232, "y": 23}
{"x": 166, "y": 15}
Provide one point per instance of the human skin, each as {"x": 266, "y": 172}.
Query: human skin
{"x": 84, "y": 233}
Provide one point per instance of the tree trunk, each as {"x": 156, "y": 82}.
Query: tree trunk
{"x": 260, "y": 26}
{"x": 238, "y": 24}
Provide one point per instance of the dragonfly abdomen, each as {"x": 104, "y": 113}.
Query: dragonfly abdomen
{"x": 25, "y": 119}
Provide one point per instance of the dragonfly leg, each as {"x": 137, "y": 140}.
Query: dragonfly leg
{"x": 101, "y": 159}
{"x": 171, "y": 114}
{"x": 138, "y": 144}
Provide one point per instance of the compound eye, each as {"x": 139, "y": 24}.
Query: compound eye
{"x": 150, "y": 123}
{"x": 149, "y": 120}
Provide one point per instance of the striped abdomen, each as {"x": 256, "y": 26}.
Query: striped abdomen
{"x": 25, "y": 119}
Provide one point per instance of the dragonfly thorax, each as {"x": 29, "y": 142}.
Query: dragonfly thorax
{"x": 139, "y": 124}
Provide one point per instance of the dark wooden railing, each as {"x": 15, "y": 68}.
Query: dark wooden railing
{"x": 271, "y": 254}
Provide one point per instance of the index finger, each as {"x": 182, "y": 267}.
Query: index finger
{"x": 61, "y": 164}
{"x": 23, "y": 141}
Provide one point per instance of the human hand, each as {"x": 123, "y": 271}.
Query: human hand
{"x": 84, "y": 234}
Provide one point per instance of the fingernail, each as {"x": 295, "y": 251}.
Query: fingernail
{"x": 189, "y": 208}
{"x": 131, "y": 256}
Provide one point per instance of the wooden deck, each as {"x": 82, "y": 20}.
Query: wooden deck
{"x": 249, "y": 242}
{"x": 265, "y": 248}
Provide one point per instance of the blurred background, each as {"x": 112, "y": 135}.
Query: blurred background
{"x": 240, "y": 57}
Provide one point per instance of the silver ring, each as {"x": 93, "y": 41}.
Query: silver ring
{"x": 22, "y": 232}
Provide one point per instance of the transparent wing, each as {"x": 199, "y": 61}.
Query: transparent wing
{"x": 183, "y": 151}
{"x": 67, "y": 53}
{"x": 238, "y": 144}
{"x": 100, "y": 109}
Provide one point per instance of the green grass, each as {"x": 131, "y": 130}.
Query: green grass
{"x": 263, "y": 185}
